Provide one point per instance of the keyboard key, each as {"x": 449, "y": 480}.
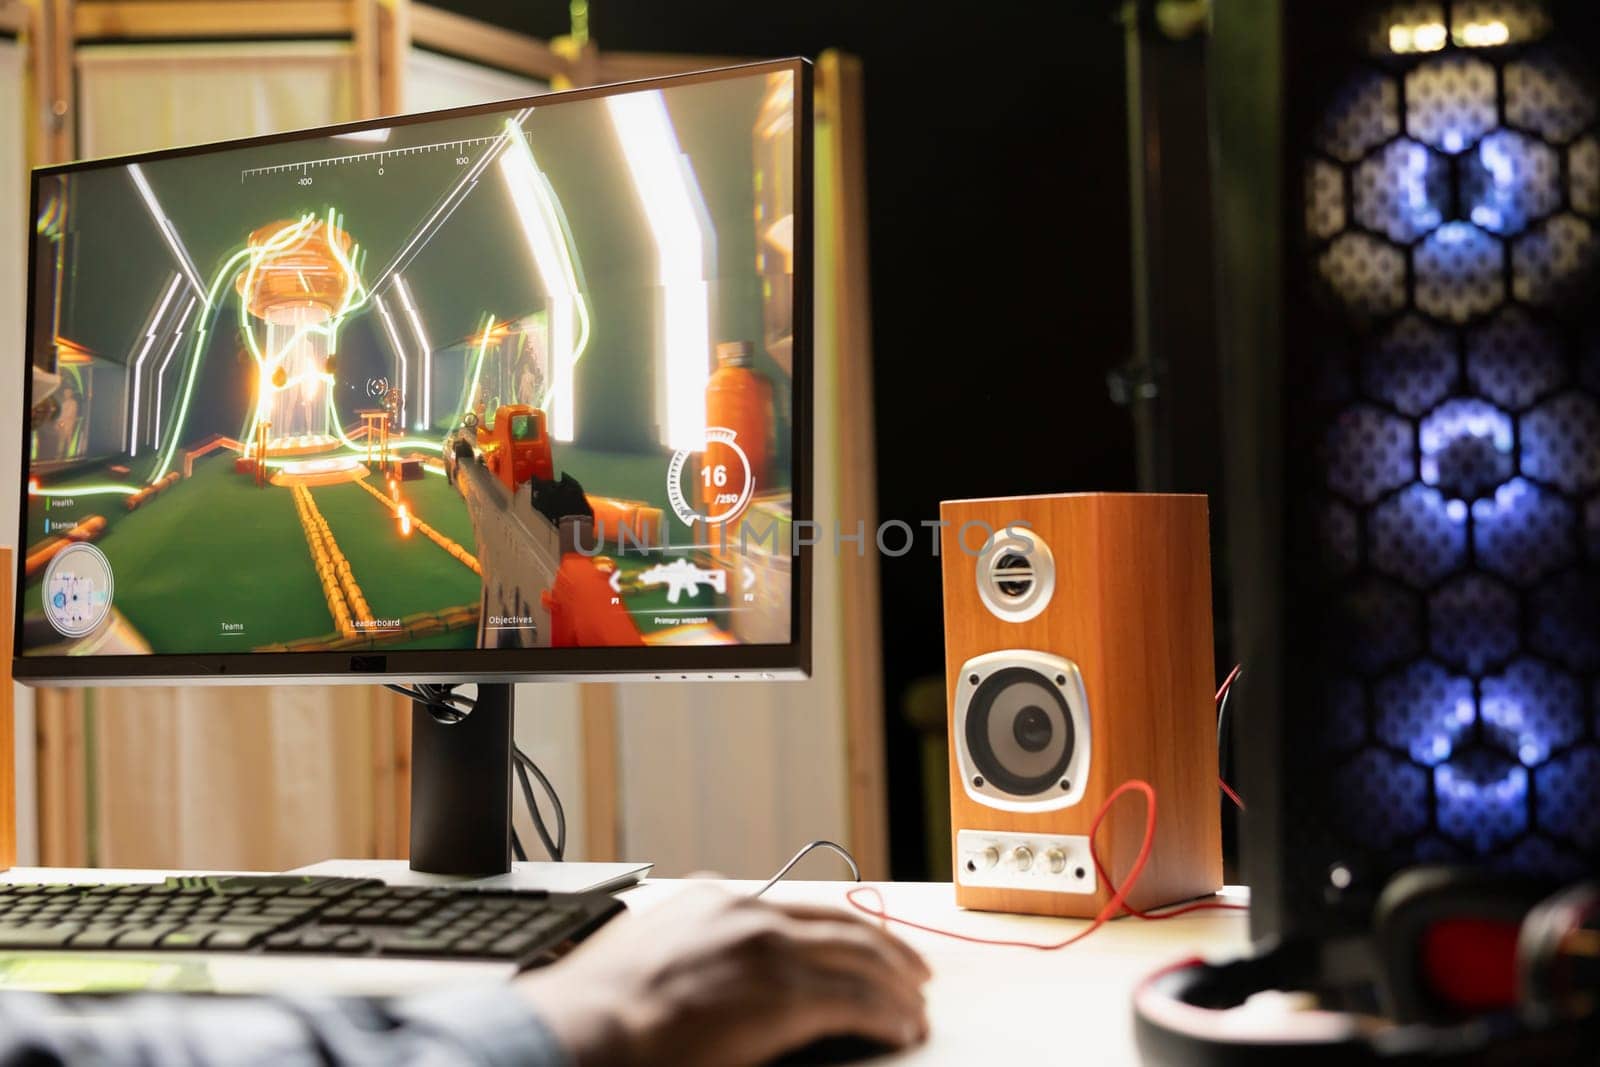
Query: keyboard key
{"x": 189, "y": 937}
{"x": 96, "y": 936}
{"x": 145, "y": 937}
{"x": 513, "y": 945}
{"x": 414, "y": 946}
{"x": 51, "y": 935}
{"x": 236, "y": 938}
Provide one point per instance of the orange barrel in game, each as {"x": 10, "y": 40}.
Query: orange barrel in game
{"x": 738, "y": 398}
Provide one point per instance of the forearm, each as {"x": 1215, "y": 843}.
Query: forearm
{"x": 490, "y": 1025}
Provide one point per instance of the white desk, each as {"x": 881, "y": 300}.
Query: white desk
{"x": 1013, "y": 1005}
{"x": 987, "y": 1004}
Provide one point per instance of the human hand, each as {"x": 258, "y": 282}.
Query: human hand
{"x": 710, "y": 979}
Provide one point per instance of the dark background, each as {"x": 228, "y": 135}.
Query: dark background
{"x": 997, "y": 185}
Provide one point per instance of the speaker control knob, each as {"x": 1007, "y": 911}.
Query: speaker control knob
{"x": 989, "y": 858}
{"x": 1057, "y": 860}
{"x": 1022, "y": 857}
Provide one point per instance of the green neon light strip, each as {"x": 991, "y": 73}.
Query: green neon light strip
{"x": 477, "y": 368}
{"x": 202, "y": 331}
{"x": 84, "y": 490}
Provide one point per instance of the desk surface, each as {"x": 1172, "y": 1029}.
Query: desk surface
{"x": 988, "y": 1004}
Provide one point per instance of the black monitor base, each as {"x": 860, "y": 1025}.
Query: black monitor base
{"x": 461, "y": 787}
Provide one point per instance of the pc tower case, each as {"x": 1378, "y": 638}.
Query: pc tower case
{"x": 1408, "y": 213}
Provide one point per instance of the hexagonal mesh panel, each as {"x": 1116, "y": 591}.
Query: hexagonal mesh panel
{"x": 1450, "y": 102}
{"x": 1562, "y": 442}
{"x": 1325, "y": 214}
{"x": 1509, "y": 180}
{"x": 1449, "y": 210}
{"x": 1473, "y": 622}
{"x": 1547, "y": 98}
{"x": 1459, "y": 272}
{"x": 1532, "y": 709}
{"x": 1414, "y": 538}
{"x": 1387, "y": 794}
{"x": 1583, "y": 176}
{"x": 1413, "y": 366}
{"x": 1384, "y": 623}
{"x": 1482, "y": 797}
{"x": 1341, "y": 537}
{"x": 1562, "y": 626}
{"x": 1550, "y": 262}
{"x": 1526, "y": 534}
{"x": 1566, "y": 797}
{"x": 1367, "y": 114}
{"x": 1369, "y": 453}
{"x": 1513, "y": 360}
{"x": 1399, "y": 190}
{"x": 1367, "y": 273}
{"x": 1424, "y": 709}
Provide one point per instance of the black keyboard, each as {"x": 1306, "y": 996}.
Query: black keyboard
{"x": 293, "y": 914}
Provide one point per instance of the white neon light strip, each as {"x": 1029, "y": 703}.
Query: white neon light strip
{"x": 169, "y": 232}
{"x": 399, "y": 351}
{"x": 138, "y": 363}
{"x": 670, "y": 197}
{"x": 424, "y": 348}
{"x": 533, "y": 199}
{"x": 161, "y": 370}
{"x": 447, "y": 207}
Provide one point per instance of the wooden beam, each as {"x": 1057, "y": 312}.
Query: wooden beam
{"x": 364, "y": 42}
{"x": 53, "y": 48}
{"x": 13, "y": 17}
{"x": 130, "y": 20}
{"x": 444, "y": 31}
{"x": 602, "y": 795}
{"x": 391, "y": 774}
{"x": 839, "y": 117}
{"x": 62, "y": 774}
{"x": 394, "y": 41}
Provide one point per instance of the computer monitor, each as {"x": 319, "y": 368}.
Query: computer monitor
{"x": 510, "y": 392}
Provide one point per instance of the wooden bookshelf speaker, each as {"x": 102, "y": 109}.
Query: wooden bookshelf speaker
{"x": 1078, "y": 655}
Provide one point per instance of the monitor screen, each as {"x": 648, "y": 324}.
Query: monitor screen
{"x": 526, "y": 379}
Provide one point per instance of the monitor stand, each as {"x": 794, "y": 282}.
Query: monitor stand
{"x": 461, "y": 787}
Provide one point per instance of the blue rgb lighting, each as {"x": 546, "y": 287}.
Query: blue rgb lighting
{"x": 1462, "y": 507}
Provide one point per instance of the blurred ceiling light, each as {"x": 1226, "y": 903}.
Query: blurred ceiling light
{"x": 1421, "y": 37}
{"x": 1483, "y": 34}
{"x": 1405, "y": 38}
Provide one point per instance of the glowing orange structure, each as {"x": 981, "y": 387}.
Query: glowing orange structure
{"x": 298, "y": 281}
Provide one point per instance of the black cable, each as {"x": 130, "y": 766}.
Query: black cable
{"x": 844, "y": 853}
{"x": 516, "y": 847}
{"x": 557, "y": 847}
{"x": 442, "y": 702}
{"x": 533, "y": 809}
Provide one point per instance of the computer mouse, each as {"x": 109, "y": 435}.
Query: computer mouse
{"x": 840, "y": 1048}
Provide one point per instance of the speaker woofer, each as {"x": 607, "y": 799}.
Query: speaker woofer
{"x": 1022, "y": 730}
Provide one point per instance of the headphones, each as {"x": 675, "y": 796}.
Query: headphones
{"x": 1461, "y": 967}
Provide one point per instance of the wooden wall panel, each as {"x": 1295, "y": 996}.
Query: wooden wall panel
{"x": 839, "y": 117}
{"x": 8, "y": 755}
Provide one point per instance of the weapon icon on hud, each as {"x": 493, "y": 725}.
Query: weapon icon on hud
{"x": 683, "y": 576}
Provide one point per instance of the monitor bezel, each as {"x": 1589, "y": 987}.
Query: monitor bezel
{"x": 763, "y": 662}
